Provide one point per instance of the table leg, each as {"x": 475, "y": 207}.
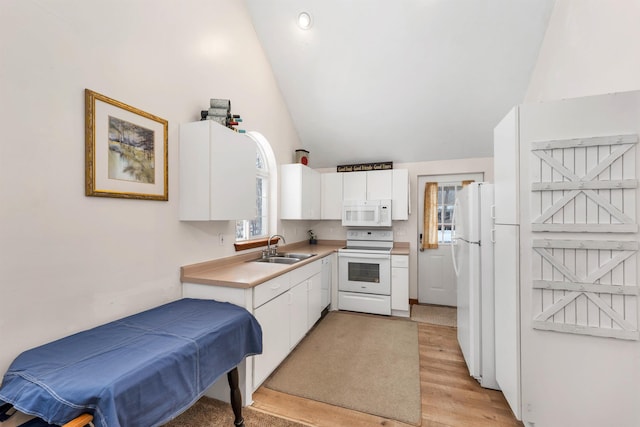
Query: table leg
{"x": 236, "y": 397}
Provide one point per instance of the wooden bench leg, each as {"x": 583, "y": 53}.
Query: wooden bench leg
{"x": 236, "y": 397}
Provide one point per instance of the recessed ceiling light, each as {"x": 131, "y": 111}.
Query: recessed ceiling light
{"x": 304, "y": 20}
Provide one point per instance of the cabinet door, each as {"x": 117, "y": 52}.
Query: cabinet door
{"x": 354, "y": 186}
{"x": 380, "y": 185}
{"x": 331, "y": 195}
{"x": 326, "y": 279}
{"x": 400, "y": 282}
{"x": 314, "y": 287}
{"x": 507, "y": 313}
{"x": 194, "y": 193}
{"x": 291, "y": 191}
{"x": 400, "y": 198}
{"x": 298, "y": 313}
{"x": 310, "y": 194}
{"x": 274, "y": 320}
{"x": 209, "y": 189}
{"x": 300, "y": 192}
{"x": 506, "y": 171}
{"x": 233, "y": 194}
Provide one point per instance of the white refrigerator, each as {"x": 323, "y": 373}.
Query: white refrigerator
{"x": 472, "y": 249}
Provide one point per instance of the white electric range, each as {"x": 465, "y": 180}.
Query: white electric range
{"x": 364, "y": 272}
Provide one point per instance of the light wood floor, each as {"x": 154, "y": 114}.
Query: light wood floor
{"x": 450, "y": 397}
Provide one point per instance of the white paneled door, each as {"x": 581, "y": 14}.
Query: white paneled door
{"x": 436, "y": 278}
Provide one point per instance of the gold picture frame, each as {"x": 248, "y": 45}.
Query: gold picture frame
{"x": 126, "y": 150}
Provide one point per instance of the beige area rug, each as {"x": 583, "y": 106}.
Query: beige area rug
{"x": 361, "y": 362}
{"x": 208, "y": 412}
{"x": 434, "y": 314}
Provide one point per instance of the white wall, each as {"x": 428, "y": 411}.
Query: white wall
{"x": 591, "y": 47}
{"x": 69, "y": 262}
{"x": 407, "y": 231}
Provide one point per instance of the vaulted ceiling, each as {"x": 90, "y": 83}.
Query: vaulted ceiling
{"x": 401, "y": 80}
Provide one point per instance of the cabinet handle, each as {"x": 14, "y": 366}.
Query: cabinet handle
{"x": 276, "y": 286}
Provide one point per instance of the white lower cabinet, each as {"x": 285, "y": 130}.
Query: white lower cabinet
{"x": 286, "y": 308}
{"x": 326, "y": 278}
{"x": 298, "y": 314}
{"x": 284, "y": 324}
{"x": 273, "y": 318}
{"x": 285, "y": 319}
{"x": 315, "y": 295}
{"x": 400, "y": 285}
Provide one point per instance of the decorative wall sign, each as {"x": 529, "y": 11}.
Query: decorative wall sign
{"x": 125, "y": 150}
{"x": 365, "y": 167}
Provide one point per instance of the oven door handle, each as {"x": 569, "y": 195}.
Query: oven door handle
{"x": 363, "y": 256}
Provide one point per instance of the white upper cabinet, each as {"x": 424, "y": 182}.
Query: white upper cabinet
{"x": 354, "y": 186}
{"x": 368, "y": 185}
{"x": 400, "y": 195}
{"x": 331, "y": 195}
{"x": 299, "y": 192}
{"x": 217, "y": 173}
{"x": 380, "y": 185}
{"x": 390, "y": 184}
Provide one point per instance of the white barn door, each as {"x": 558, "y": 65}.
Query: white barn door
{"x": 585, "y": 186}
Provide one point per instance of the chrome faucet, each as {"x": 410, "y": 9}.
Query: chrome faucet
{"x": 272, "y": 252}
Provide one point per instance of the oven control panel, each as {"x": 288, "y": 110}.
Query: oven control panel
{"x": 372, "y": 235}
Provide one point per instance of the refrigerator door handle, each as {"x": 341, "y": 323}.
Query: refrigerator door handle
{"x": 493, "y": 235}
{"x": 453, "y": 238}
{"x": 493, "y": 212}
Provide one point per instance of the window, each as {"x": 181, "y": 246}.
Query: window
{"x": 446, "y": 201}
{"x": 266, "y": 192}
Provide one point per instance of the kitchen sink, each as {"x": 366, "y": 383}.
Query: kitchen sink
{"x": 285, "y": 258}
{"x": 279, "y": 260}
{"x": 294, "y": 255}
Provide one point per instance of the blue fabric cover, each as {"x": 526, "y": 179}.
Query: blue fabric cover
{"x": 139, "y": 371}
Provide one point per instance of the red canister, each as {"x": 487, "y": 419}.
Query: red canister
{"x": 302, "y": 156}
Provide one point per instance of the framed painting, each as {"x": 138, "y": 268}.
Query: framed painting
{"x": 125, "y": 150}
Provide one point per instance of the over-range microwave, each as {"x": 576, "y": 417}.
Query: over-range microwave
{"x": 366, "y": 213}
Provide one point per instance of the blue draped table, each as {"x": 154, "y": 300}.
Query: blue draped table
{"x": 142, "y": 370}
